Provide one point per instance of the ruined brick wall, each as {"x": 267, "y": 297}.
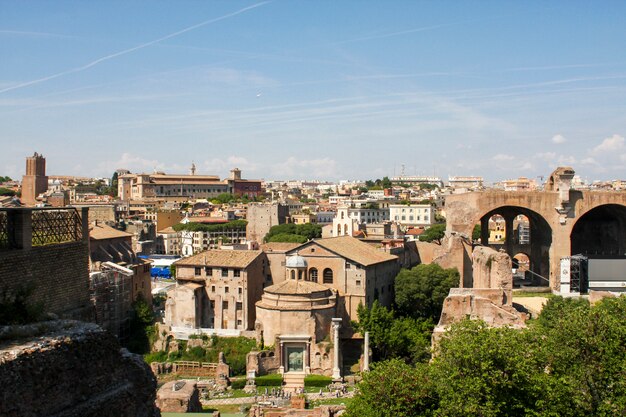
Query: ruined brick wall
{"x": 71, "y": 369}
{"x": 59, "y": 274}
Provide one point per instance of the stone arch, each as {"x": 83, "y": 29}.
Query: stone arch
{"x": 600, "y": 233}
{"x": 537, "y": 249}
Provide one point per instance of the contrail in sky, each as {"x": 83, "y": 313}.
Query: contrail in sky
{"x": 133, "y": 49}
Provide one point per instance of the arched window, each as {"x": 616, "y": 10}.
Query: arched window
{"x": 300, "y": 273}
{"x": 345, "y": 229}
{"x": 328, "y": 276}
{"x": 313, "y": 274}
{"x": 338, "y": 230}
{"x": 293, "y": 274}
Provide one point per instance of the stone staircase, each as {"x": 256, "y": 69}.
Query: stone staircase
{"x": 293, "y": 381}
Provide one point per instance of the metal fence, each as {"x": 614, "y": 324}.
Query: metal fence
{"x": 26, "y": 227}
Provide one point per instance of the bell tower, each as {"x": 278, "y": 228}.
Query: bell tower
{"x": 35, "y": 181}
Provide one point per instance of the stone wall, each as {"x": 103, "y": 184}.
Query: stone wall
{"x": 179, "y": 397}
{"x": 59, "y": 275}
{"x": 71, "y": 369}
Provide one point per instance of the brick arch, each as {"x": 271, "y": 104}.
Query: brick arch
{"x": 600, "y": 232}
{"x": 538, "y": 251}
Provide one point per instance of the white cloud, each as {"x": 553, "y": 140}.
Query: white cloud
{"x": 503, "y": 157}
{"x": 558, "y": 139}
{"x": 305, "y": 168}
{"x": 217, "y": 165}
{"x": 588, "y": 161}
{"x": 546, "y": 156}
{"x": 139, "y": 164}
{"x": 610, "y": 144}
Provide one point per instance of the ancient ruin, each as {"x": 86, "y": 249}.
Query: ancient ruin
{"x": 71, "y": 369}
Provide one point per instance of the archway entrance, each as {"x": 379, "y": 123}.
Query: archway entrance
{"x": 601, "y": 233}
{"x": 518, "y": 230}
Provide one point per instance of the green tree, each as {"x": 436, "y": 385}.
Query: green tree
{"x": 476, "y": 232}
{"x": 434, "y": 233}
{"x": 114, "y": 183}
{"x": 141, "y": 326}
{"x": 386, "y": 182}
{"x": 223, "y": 198}
{"x": 482, "y": 371}
{"x": 287, "y": 237}
{"x": 420, "y": 291}
{"x": 6, "y": 192}
{"x": 392, "y": 337}
{"x": 290, "y": 232}
{"x": 394, "y": 389}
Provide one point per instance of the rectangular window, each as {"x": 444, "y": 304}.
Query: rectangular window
{"x": 240, "y": 290}
{"x": 236, "y": 273}
{"x": 238, "y": 322}
{"x": 224, "y": 272}
{"x": 197, "y": 271}
{"x": 358, "y": 282}
{"x": 212, "y": 288}
{"x": 239, "y": 306}
{"x": 226, "y": 289}
{"x": 208, "y": 271}
{"x": 224, "y": 305}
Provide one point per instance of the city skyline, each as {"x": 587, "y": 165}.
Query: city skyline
{"x": 300, "y": 90}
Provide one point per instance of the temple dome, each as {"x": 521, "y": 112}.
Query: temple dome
{"x": 296, "y": 261}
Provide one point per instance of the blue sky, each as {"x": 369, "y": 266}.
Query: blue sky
{"x": 314, "y": 89}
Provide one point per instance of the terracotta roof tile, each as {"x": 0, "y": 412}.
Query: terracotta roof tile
{"x": 279, "y": 246}
{"x": 355, "y": 250}
{"x": 221, "y": 258}
{"x": 292, "y": 286}
{"x": 102, "y": 231}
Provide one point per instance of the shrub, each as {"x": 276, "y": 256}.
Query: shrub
{"x": 317, "y": 381}
{"x": 237, "y": 383}
{"x": 159, "y": 356}
{"x": 271, "y": 380}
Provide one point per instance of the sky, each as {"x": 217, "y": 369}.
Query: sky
{"x": 327, "y": 90}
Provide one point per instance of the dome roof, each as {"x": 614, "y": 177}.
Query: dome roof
{"x": 296, "y": 261}
{"x": 300, "y": 287}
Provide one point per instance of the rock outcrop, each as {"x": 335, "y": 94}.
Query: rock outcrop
{"x": 71, "y": 369}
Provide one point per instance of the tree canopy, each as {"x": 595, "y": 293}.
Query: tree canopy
{"x": 420, "y": 291}
{"x": 394, "y": 337}
{"x": 434, "y": 233}
{"x": 571, "y": 361}
{"x": 202, "y": 227}
{"x": 291, "y": 232}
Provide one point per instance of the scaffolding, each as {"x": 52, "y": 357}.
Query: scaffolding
{"x": 110, "y": 293}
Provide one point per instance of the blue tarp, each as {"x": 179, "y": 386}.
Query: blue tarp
{"x": 160, "y": 272}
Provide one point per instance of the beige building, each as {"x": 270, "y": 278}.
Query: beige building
{"x": 324, "y": 282}
{"x": 141, "y": 186}
{"x": 359, "y": 272}
{"x": 217, "y": 290}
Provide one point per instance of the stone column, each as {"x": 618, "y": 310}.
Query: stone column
{"x": 336, "y": 370}
{"x": 366, "y": 352}
{"x": 307, "y": 358}
{"x": 281, "y": 354}
{"x": 84, "y": 218}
